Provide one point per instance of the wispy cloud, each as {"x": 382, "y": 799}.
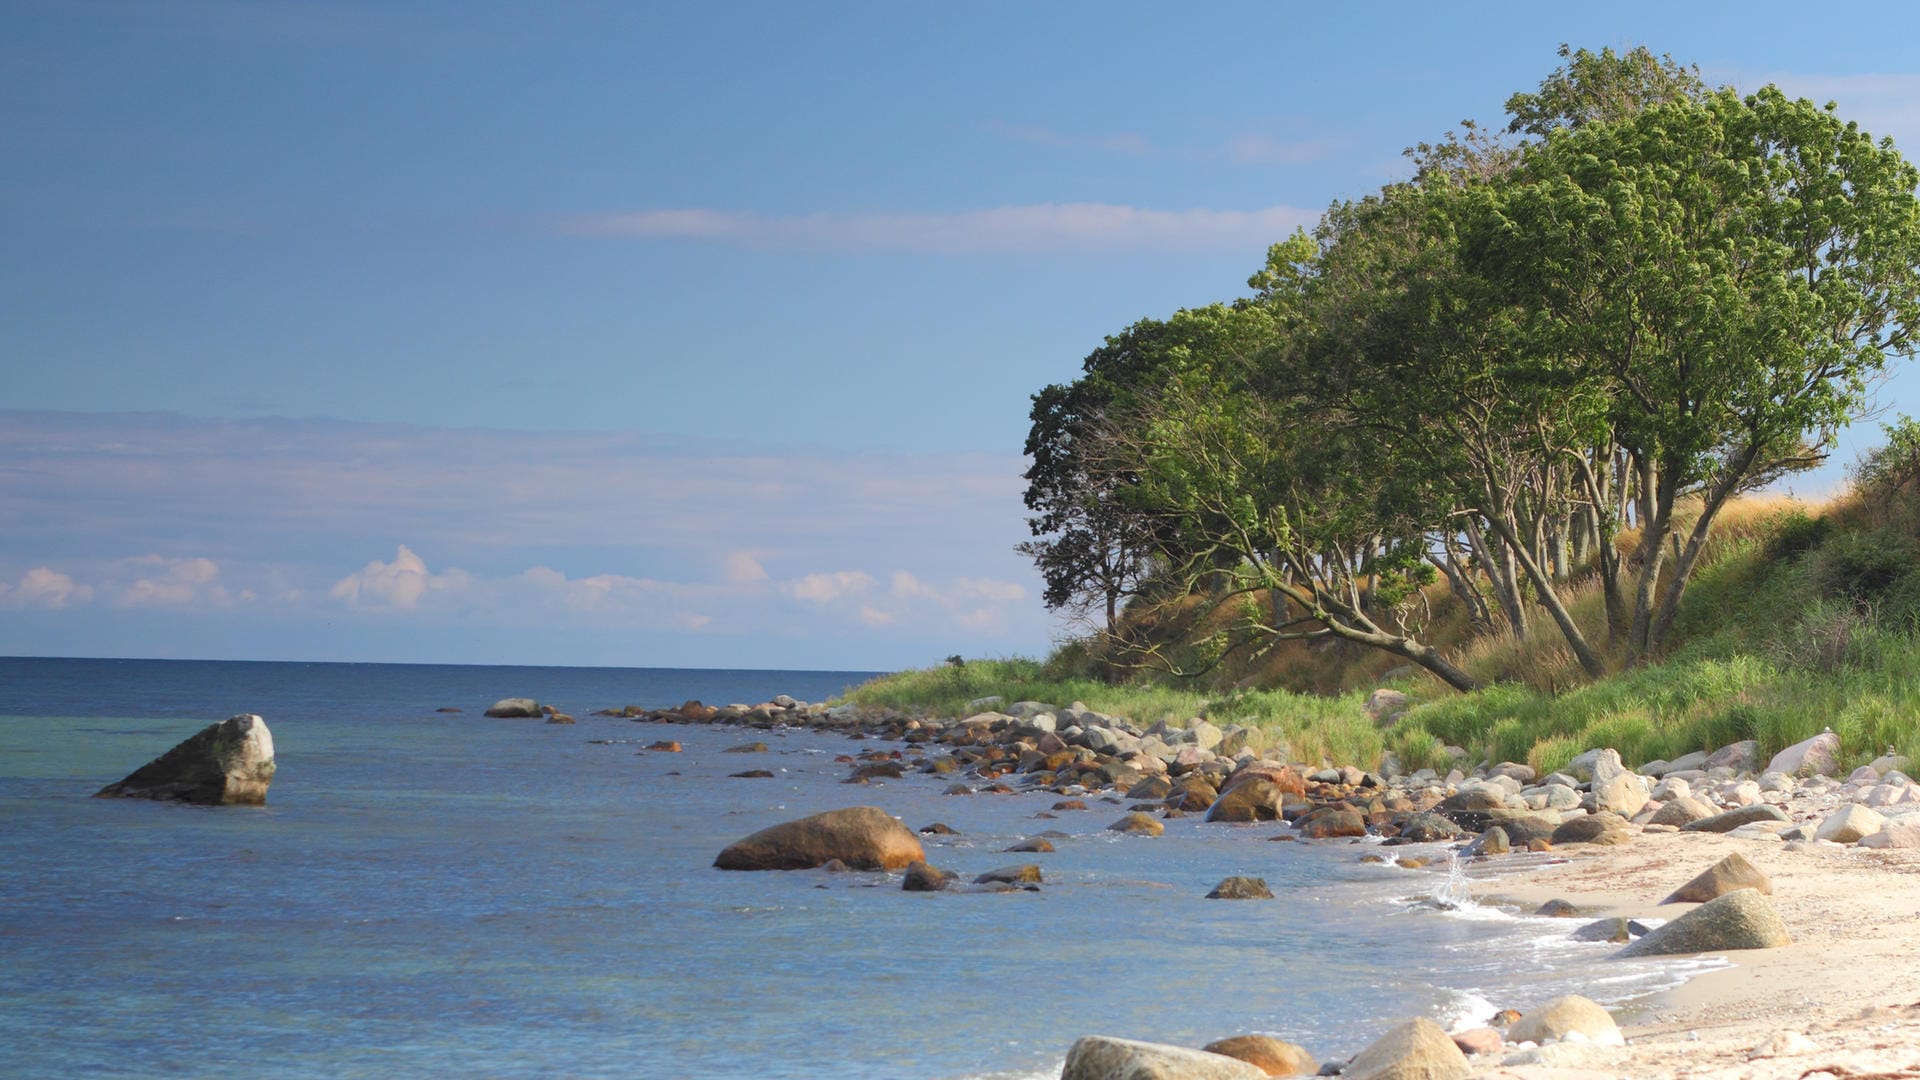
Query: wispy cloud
{"x": 121, "y": 517}
{"x": 1037, "y": 229}
{"x": 1254, "y": 148}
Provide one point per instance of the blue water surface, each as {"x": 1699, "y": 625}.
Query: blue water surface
{"x": 431, "y": 894}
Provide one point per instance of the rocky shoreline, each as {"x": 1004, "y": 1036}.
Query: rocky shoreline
{"x": 1595, "y": 814}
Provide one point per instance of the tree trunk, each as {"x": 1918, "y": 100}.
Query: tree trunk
{"x": 1550, "y": 599}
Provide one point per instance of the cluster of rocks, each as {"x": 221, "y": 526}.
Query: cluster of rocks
{"x": 518, "y": 708}
{"x": 1561, "y": 1032}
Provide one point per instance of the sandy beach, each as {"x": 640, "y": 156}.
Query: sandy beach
{"x": 1849, "y": 984}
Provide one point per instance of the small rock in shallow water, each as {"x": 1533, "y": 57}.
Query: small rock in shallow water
{"x": 1557, "y": 909}
{"x": 938, "y": 829}
{"x": 1138, "y": 823}
{"x": 1241, "y": 888}
{"x": 1033, "y": 845}
{"x": 924, "y": 878}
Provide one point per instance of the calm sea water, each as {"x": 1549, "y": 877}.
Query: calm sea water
{"x": 429, "y": 894}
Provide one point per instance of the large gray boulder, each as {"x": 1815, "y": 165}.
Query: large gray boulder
{"x": 1416, "y": 1050}
{"x": 1743, "y": 756}
{"x": 225, "y": 764}
{"x": 1850, "y": 823}
{"x": 863, "y": 837}
{"x": 1102, "y": 1057}
{"x": 1681, "y": 811}
{"x": 515, "y": 708}
{"x": 1818, "y": 756}
{"x": 1742, "y": 919}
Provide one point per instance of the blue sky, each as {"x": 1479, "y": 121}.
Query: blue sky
{"x": 648, "y": 334}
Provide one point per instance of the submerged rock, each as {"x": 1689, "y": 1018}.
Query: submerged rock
{"x": 863, "y": 837}
{"x": 225, "y": 764}
{"x": 1241, "y": 888}
{"x": 1102, "y": 1057}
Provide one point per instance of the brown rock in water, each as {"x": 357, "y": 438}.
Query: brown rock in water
{"x": 1285, "y": 777}
{"x": 864, "y": 837}
{"x": 1241, "y": 888}
{"x": 1416, "y": 1050}
{"x": 559, "y": 718}
{"x": 1742, "y": 919}
{"x": 665, "y": 746}
{"x": 1271, "y": 1055}
{"x": 1253, "y": 800}
{"x": 225, "y": 764}
{"x": 1102, "y": 1057}
{"x": 1332, "y": 823}
{"x": 1138, "y": 823}
{"x": 1192, "y": 794}
{"x": 1024, "y": 874}
{"x": 446, "y": 709}
{"x": 747, "y": 748}
{"x": 751, "y": 774}
{"x": 1730, "y": 873}
{"x": 1033, "y": 845}
{"x": 924, "y": 878}
{"x": 1070, "y": 804}
{"x": 938, "y": 829}
{"x": 1557, "y": 909}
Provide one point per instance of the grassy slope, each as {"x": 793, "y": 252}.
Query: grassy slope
{"x": 1797, "y": 621}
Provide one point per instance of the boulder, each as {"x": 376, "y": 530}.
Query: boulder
{"x": 1328, "y": 824}
{"x": 1492, "y": 842}
{"x": 1474, "y": 1041}
{"x": 1102, "y": 1057}
{"x": 225, "y": 764}
{"x": 1137, "y": 822}
{"x": 1416, "y": 1050}
{"x": 1897, "y": 835}
{"x": 1681, "y": 811}
{"x": 515, "y": 708}
{"x": 1024, "y": 874}
{"x": 1241, "y": 888}
{"x": 1615, "y": 929}
{"x": 1274, "y": 1056}
{"x": 1254, "y": 800}
{"x": 863, "y": 837}
{"x": 1564, "y": 1016}
{"x": 923, "y": 878}
{"x": 1426, "y": 828}
{"x": 1742, "y": 919}
{"x": 1289, "y": 780}
{"x": 1385, "y": 706}
{"x": 1733, "y": 819}
{"x": 1592, "y": 829}
{"x": 1850, "y": 823}
{"x": 1033, "y": 845}
{"x": 1622, "y": 793}
{"x": 1743, "y": 756}
{"x": 1818, "y": 756}
{"x": 1731, "y": 873}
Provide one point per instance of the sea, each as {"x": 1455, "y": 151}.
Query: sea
{"x": 432, "y": 893}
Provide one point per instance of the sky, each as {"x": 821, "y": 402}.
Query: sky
{"x": 667, "y": 335}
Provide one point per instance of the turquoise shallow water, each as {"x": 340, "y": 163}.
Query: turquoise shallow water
{"x": 429, "y": 894}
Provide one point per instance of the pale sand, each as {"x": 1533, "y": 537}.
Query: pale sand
{"x": 1850, "y": 981}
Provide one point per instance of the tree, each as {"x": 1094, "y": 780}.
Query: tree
{"x": 1731, "y": 272}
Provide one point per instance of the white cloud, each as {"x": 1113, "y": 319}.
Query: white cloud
{"x": 1256, "y": 149}
{"x": 179, "y": 583}
{"x": 1040, "y": 228}
{"x": 45, "y": 587}
{"x": 873, "y": 616}
{"x": 743, "y": 568}
{"x": 1003, "y": 592}
{"x": 398, "y": 585}
{"x": 904, "y": 584}
{"x": 825, "y": 588}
